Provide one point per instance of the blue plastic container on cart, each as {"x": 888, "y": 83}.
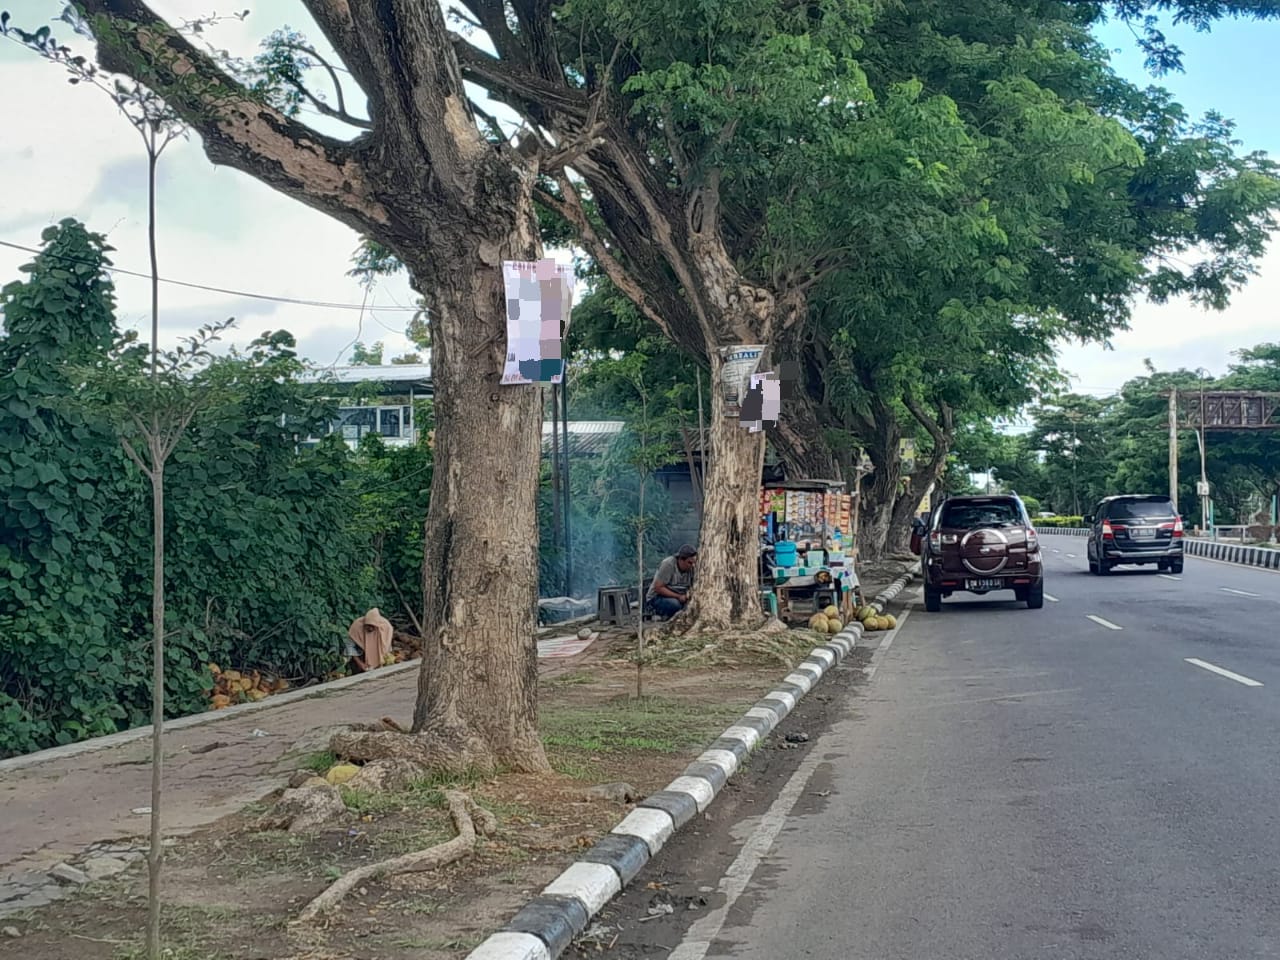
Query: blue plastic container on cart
{"x": 784, "y": 553}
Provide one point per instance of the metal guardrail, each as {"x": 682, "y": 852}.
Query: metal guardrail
{"x": 1243, "y": 554}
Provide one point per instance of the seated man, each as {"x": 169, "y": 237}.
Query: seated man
{"x": 669, "y": 591}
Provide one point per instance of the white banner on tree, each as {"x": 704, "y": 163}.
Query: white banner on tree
{"x": 539, "y": 299}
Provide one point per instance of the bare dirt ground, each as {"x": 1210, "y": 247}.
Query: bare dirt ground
{"x": 230, "y": 890}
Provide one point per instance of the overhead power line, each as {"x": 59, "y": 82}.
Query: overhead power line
{"x": 328, "y": 305}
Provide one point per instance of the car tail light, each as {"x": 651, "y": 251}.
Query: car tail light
{"x": 1177, "y": 528}
{"x": 1107, "y": 532}
{"x": 935, "y": 540}
{"x": 1033, "y": 542}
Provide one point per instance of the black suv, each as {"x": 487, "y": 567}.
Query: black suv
{"x": 1134, "y": 529}
{"x": 978, "y": 544}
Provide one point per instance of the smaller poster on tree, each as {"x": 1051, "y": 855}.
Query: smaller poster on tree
{"x": 737, "y": 365}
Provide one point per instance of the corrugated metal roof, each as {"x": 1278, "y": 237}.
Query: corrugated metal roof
{"x": 586, "y": 437}
{"x": 367, "y": 373}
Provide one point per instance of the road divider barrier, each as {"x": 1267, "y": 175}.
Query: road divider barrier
{"x": 547, "y": 924}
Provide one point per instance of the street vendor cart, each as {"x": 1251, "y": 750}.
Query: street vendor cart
{"x": 806, "y": 561}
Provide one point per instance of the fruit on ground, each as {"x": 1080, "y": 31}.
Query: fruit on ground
{"x": 818, "y": 622}
{"x": 831, "y": 613}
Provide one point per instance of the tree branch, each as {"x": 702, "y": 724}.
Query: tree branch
{"x": 518, "y": 88}
{"x": 572, "y": 210}
{"x": 491, "y": 17}
{"x": 237, "y": 129}
{"x": 940, "y": 432}
{"x": 340, "y": 113}
{"x": 133, "y": 455}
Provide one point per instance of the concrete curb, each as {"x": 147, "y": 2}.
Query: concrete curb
{"x": 1240, "y": 554}
{"x": 200, "y": 719}
{"x": 547, "y": 924}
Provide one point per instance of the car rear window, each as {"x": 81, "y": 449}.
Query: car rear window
{"x": 983, "y": 513}
{"x": 1150, "y": 509}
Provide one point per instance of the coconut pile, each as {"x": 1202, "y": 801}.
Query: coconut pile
{"x": 872, "y": 619}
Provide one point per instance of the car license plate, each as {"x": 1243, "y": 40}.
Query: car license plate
{"x": 983, "y": 584}
{"x": 1142, "y": 533}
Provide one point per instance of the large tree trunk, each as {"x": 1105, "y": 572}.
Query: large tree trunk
{"x": 879, "y": 492}
{"x": 941, "y": 428}
{"x": 477, "y": 692}
{"x": 728, "y": 550}
{"x": 882, "y": 488}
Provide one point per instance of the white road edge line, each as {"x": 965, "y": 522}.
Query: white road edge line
{"x": 1052, "y": 599}
{"x": 1169, "y": 576}
{"x": 1104, "y": 623}
{"x": 700, "y": 937}
{"x": 1223, "y": 673}
{"x": 1240, "y": 593}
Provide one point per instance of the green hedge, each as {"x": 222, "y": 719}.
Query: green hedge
{"x": 1058, "y": 522}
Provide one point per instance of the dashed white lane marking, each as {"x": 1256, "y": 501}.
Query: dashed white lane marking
{"x": 1071, "y": 556}
{"x": 1169, "y": 576}
{"x": 700, "y": 937}
{"x": 1238, "y": 678}
{"x": 1240, "y": 593}
{"x": 1052, "y": 599}
{"x": 1056, "y": 550}
{"x": 1104, "y": 623}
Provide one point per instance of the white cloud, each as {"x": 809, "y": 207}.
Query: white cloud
{"x": 1180, "y": 334}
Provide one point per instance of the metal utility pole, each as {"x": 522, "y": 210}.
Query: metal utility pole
{"x": 1074, "y": 417}
{"x": 555, "y": 469}
{"x": 564, "y": 479}
{"x": 1173, "y": 448}
{"x": 1205, "y": 521}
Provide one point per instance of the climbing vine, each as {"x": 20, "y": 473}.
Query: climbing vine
{"x": 269, "y": 554}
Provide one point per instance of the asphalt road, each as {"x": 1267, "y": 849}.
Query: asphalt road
{"x": 1023, "y": 784}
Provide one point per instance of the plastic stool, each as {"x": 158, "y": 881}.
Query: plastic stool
{"x": 613, "y": 605}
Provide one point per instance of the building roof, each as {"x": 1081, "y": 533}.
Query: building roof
{"x": 391, "y": 374}
{"x": 586, "y": 437}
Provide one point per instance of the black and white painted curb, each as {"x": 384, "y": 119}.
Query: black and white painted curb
{"x": 547, "y": 924}
{"x": 1242, "y": 554}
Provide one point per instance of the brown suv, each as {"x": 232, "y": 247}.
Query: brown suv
{"x": 979, "y": 544}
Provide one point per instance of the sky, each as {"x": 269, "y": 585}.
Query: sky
{"x": 65, "y": 151}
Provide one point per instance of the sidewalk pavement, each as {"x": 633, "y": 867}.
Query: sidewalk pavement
{"x": 54, "y": 811}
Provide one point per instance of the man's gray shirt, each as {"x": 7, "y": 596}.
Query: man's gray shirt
{"x": 669, "y": 574}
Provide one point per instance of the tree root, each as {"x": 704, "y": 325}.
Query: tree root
{"x": 365, "y": 746}
{"x": 469, "y": 818}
